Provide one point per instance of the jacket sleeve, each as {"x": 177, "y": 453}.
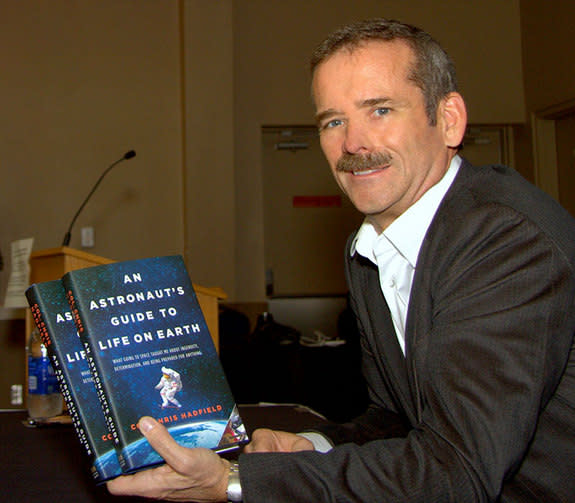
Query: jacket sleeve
{"x": 496, "y": 328}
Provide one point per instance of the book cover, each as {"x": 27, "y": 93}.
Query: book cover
{"x": 151, "y": 353}
{"x": 53, "y": 317}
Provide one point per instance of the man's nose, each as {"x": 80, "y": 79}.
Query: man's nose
{"x": 356, "y": 139}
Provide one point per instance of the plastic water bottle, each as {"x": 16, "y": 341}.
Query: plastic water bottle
{"x": 44, "y": 398}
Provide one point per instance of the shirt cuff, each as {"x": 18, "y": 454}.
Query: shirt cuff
{"x": 319, "y": 441}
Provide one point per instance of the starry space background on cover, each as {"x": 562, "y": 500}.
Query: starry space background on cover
{"x": 67, "y": 346}
{"x": 132, "y": 392}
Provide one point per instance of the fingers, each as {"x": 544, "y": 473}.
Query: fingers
{"x": 264, "y": 440}
{"x": 181, "y": 459}
{"x": 158, "y": 483}
{"x": 151, "y": 483}
{"x": 189, "y": 474}
{"x": 140, "y": 484}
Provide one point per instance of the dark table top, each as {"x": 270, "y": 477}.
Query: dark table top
{"x": 47, "y": 464}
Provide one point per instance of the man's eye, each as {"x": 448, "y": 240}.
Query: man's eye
{"x": 331, "y": 124}
{"x": 381, "y": 111}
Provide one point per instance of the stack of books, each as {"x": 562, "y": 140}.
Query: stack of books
{"x": 127, "y": 340}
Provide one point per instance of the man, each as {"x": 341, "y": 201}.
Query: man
{"x": 462, "y": 282}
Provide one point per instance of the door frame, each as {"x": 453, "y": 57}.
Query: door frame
{"x": 545, "y": 145}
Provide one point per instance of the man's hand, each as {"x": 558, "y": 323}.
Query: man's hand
{"x": 198, "y": 475}
{"x": 264, "y": 440}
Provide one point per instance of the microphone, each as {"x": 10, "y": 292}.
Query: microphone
{"x": 128, "y": 155}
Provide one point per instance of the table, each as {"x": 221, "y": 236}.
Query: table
{"x": 47, "y": 464}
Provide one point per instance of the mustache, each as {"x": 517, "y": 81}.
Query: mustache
{"x": 362, "y": 162}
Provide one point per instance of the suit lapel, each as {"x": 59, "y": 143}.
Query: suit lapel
{"x": 420, "y": 314}
{"x": 383, "y": 338}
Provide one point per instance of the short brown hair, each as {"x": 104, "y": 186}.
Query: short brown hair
{"x": 433, "y": 71}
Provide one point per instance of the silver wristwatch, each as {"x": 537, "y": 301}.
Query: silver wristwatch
{"x": 234, "y": 491}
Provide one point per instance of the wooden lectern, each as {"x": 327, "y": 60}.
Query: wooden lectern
{"x": 51, "y": 264}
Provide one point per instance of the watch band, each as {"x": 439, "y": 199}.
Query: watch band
{"x": 234, "y": 491}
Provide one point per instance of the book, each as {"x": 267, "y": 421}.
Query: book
{"x": 151, "y": 354}
{"x": 53, "y": 317}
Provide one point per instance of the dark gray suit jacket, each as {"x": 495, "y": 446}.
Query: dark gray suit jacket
{"x": 486, "y": 391}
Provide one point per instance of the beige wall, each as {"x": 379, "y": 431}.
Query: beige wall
{"x": 188, "y": 85}
{"x": 81, "y": 83}
{"x": 209, "y": 142}
{"x": 548, "y": 62}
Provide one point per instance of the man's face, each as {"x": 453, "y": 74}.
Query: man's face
{"x": 374, "y": 130}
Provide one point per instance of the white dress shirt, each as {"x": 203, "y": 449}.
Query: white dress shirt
{"x": 395, "y": 250}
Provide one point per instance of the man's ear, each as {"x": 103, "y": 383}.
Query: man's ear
{"x": 453, "y": 119}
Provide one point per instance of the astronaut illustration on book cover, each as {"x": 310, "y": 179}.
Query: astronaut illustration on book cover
{"x": 169, "y": 385}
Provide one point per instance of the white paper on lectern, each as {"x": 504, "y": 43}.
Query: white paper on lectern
{"x": 19, "y": 279}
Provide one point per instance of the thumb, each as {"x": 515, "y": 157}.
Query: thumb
{"x": 161, "y": 440}
{"x": 200, "y": 467}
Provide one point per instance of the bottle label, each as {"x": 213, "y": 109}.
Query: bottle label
{"x": 41, "y": 377}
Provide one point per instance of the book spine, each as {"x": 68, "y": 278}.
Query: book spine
{"x": 62, "y": 378}
{"x": 71, "y": 406}
{"x": 106, "y": 409}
